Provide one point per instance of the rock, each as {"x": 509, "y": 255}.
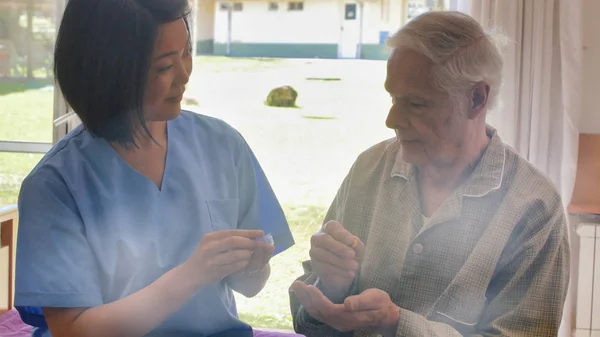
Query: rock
{"x": 284, "y": 96}
{"x": 190, "y": 101}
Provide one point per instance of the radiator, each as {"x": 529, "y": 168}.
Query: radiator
{"x": 587, "y": 322}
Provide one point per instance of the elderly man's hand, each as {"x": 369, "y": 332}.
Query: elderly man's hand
{"x": 335, "y": 255}
{"x": 372, "y": 309}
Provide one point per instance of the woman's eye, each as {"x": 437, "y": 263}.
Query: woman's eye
{"x": 163, "y": 69}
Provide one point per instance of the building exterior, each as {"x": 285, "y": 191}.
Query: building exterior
{"x": 303, "y": 28}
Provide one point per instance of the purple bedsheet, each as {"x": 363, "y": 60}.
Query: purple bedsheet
{"x": 11, "y": 325}
{"x": 258, "y": 333}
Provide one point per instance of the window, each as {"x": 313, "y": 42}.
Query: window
{"x": 415, "y": 8}
{"x": 296, "y": 6}
{"x": 273, "y": 6}
{"x": 350, "y": 12}
{"x": 238, "y": 6}
{"x": 29, "y": 102}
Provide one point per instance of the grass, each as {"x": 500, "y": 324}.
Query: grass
{"x": 270, "y": 308}
{"x": 305, "y": 152}
{"x": 25, "y": 115}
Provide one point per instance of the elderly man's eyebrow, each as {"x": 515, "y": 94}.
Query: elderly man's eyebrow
{"x": 417, "y": 96}
{"x": 409, "y": 96}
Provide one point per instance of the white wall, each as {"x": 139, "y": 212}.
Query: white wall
{"x": 393, "y": 15}
{"x": 317, "y": 23}
{"x": 206, "y": 20}
{"x": 590, "y": 119}
{"x": 372, "y": 23}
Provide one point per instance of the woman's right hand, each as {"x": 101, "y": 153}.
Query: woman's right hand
{"x": 335, "y": 255}
{"x": 221, "y": 254}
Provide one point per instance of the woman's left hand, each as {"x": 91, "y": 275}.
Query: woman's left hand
{"x": 261, "y": 256}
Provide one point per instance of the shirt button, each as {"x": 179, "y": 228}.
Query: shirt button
{"x": 417, "y": 248}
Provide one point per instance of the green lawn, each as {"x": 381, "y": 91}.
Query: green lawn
{"x": 305, "y": 151}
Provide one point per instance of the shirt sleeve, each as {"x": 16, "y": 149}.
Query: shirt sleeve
{"x": 259, "y": 207}
{"x": 55, "y": 266}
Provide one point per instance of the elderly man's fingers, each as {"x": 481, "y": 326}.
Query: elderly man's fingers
{"x": 302, "y": 294}
{"x": 368, "y": 318}
{"x": 319, "y": 300}
{"x": 332, "y": 262}
{"x": 325, "y": 241}
{"x": 299, "y": 290}
{"x": 339, "y": 233}
{"x": 370, "y": 299}
{"x": 325, "y": 310}
{"x": 359, "y": 251}
{"x": 329, "y": 224}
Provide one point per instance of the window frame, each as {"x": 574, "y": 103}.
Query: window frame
{"x": 60, "y": 109}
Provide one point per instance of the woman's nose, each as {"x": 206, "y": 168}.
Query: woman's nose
{"x": 183, "y": 73}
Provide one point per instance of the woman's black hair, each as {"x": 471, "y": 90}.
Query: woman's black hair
{"x": 102, "y": 59}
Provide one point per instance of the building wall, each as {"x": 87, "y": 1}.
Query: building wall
{"x": 313, "y": 32}
{"x": 205, "y": 16}
{"x": 256, "y": 31}
{"x": 375, "y": 22}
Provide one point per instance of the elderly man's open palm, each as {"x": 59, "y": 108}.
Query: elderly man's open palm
{"x": 372, "y": 309}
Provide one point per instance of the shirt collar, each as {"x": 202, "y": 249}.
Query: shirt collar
{"x": 486, "y": 177}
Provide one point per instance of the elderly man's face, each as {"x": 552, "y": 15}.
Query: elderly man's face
{"x": 425, "y": 121}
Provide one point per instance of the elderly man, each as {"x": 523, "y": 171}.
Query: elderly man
{"x": 444, "y": 230}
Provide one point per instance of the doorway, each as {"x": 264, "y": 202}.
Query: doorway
{"x": 350, "y": 39}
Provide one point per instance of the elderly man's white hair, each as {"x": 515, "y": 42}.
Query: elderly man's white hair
{"x": 462, "y": 52}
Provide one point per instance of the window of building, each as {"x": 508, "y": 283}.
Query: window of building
{"x": 273, "y": 6}
{"x": 296, "y": 6}
{"x": 350, "y": 11}
{"x": 415, "y": 8}
{"x": 238, "y": 6}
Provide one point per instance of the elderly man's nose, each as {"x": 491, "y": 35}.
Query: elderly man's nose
{"x": 396, "y": 119}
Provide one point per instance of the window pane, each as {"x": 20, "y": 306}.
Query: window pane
{"x": 296, "y": 6}
{"x": 350, "y": 12}
{"x": 418, "y": 7}
{"x": 27, "y": 35}
{"x": 13, "y": 168}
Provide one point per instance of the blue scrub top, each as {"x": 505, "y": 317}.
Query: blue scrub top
{"x": 93, "y": 230}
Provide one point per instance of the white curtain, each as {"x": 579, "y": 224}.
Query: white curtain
{"x": 541, "y": 97}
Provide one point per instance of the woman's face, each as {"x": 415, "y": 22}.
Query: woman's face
{"x": 170, "y": 70}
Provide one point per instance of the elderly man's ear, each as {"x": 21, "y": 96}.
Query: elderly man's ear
{"x": 479, "y": 100}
